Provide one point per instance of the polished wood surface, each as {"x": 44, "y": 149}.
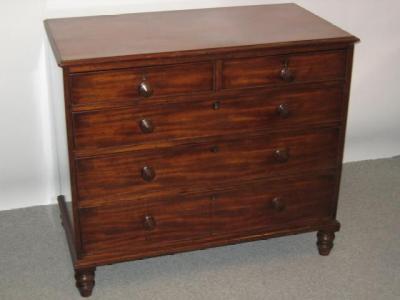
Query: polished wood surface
{"x": 138, "y": 225}
{"x": 204, "y": 116}
{"x": 121, "y": 85}
{"x": 166, "y": 34}
{"x": 245, "y": 210}
{"x": 252, "y": 72}
{"x": 185, "y": 138}
{"x": 196, "y": 167}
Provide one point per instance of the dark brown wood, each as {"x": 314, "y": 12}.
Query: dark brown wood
{"x": 208, "y": 116}
{"x": 273, "y": 205}
{"x": 278, "y": 204}
{"x": 149, "y": 224}
{"x": 85, "y": 281}
{"x": 325, "y": 242}
{"x": 68, "y": 228}
{"x": 260, "y": 71}
{"x": 194, "y": 167}
{"x": 180, "y": 140}
{"x": 345, "y": 104}
{"x": 207, "y": 242}
{"x": 71, "y": 158}
{"x": 122, "y": 86}
{"x": 214, "y": 55}
{"x": 148, "y": 173}
{"x": 176, "y": 33}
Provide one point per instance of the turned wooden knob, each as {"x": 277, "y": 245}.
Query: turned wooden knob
{"x": 149, "y": 222}
{"x": 148, "y": 173}
{"x": 283, "y": 110}
{"x": 145, "y": 89}
{"x": 146, "y": 126}
{"x": 286, "y": 74}
{"x": 214, "y": 149}
{"x": 278, "y": 204}
{"x": 281, "y": 155}
{"x": 216, "y": 105}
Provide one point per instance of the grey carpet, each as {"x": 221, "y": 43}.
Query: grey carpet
{"x": 364, "y": 264}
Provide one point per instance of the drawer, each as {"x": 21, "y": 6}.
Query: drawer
{"x": 259, "y": 207}
{"x": 124, "y": 86}
{"x": 203, "y": 165}
{"x": 270, "y": 110}
{"x": 143, "y": 224}
{"x": 260, "y": 71}
{"x": 275, "y": 204}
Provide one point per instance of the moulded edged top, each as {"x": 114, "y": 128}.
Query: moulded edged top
{"x": 108, "y": 38}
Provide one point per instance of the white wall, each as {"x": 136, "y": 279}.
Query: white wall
{"x": 28, "y": 169}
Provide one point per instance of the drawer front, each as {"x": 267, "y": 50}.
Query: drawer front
{"x": 274, "y": 205}
{"x": 271, "y": 110}
{"x": 260, "y": 207}
{"x": 123, "y": 86}
{"x": 205, "y": 165}
{"x": 260, "y": 71}
{"x": 144, "y": 224}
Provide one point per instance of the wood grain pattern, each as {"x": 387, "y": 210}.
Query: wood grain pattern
{"x": 199, "y": 166}
{"x": 251, "y": 72}
{"x": 195, "y": 129}
{"x": 217, "y": 240}
{"x": 121, "y": 227}
{"x": 252, "y": 209}
{"x": 208, "y": 117}
{"x": 85, "y": 281}
{"x": 171, "y": 34}
{"x": 122, "y": 86}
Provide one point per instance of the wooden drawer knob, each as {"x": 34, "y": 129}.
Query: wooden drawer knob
{"x": 286, "y": 73}
{"x": 281, "y": 155}
{"x": 148, "y": 173}
{"x": 283, "y": 110}
{"x": 214, "y": 149}
{"x": 145, "y": 89}
{"x": 149, "y": 222}
{"x": 278, "y": 204}
{"x": 216, "y": 105}
{"x": 146, "y": 126}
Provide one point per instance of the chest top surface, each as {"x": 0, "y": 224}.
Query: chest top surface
{"x": 146, "y": 35}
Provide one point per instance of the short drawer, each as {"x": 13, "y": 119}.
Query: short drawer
{"x": 269, "y": 110}
{"x": 260, "y": 71}
{"x": 144, "y": 224}
{"x": 198, "y": 166}
{"x": 124, "y": 86}
{"x": 275, "y": 204}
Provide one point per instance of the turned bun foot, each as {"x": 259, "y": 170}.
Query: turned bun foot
{"x": 325, "y": 242}
{"x": 85, "y": 281}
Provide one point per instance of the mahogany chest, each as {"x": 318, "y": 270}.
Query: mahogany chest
{"x": 185, "y": 130}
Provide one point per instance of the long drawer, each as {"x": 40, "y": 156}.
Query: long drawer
{"x": 262, "y": 206}
{"x": 268, "y": 110}
{"x": 203, "y": 165}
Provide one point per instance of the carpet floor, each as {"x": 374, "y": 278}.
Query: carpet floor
{"x": 364, "y": 264}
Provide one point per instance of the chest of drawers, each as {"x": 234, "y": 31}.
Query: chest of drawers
{"x": 193, "y": 129}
